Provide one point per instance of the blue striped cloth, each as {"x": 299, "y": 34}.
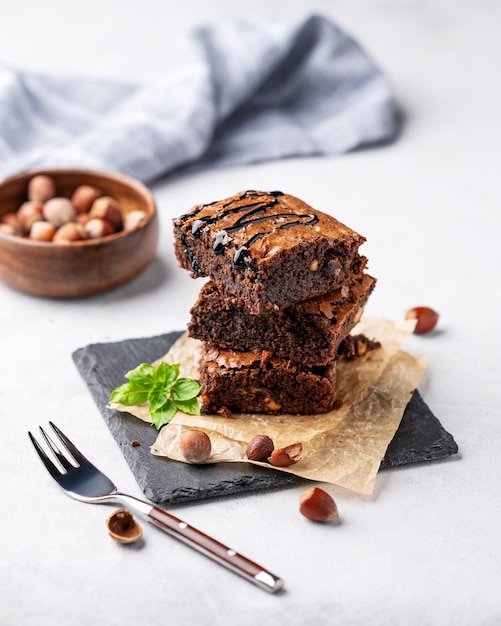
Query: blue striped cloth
{"x": 235, "y": 93}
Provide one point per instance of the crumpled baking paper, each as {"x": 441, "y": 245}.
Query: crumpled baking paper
{"x": 344, "y": 446}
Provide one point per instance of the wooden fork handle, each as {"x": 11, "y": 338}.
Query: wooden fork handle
{"x": 215, "y": 550}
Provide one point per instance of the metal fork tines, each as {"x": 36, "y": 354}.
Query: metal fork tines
{"x": 81, "y": 480}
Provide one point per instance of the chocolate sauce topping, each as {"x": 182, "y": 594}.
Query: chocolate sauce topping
{"x": 255, "y": 211}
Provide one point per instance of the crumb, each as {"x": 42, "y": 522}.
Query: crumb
{"x": 354, "y": 346}
{"x": 224, "y": 411}
{"x": 134, "y": 443}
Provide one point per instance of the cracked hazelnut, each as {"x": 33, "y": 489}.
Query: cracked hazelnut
{"x": 259, "y": 448}
{"x": 42, "y": 231}
{"x": 109, "y": 209}
{"x": 134, "y": 219}
{"x": 317, "y": 505}
{"x": 123, "y": 527}
{"x": 195, "y": 446}
{"x": 426, "y": 318}
{"x": 283, "y": 457}
{"x": 72, "y": 231}
{"x": 98, "y": 227}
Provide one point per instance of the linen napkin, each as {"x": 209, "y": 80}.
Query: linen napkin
{"x": 235, "y": 93}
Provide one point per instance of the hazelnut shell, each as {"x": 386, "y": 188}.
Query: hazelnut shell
{"x": 123, "y": 527}
{"x": 283, "y": 457}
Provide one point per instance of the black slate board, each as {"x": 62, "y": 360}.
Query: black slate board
{"x": 419, "y": 438}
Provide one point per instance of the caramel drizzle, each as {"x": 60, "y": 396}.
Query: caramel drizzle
{"x": 252, "y": 209}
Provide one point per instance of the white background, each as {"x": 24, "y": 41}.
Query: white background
{"x": 425, "y": 549}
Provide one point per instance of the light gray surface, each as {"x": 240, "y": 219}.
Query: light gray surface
{"x": 426, "y": 547}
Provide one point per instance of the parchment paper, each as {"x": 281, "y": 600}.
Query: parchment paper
{"x": 344, "y": 446}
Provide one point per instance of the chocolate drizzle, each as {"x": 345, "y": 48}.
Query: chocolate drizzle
{"x": 204, "y": 221}
{"x": 220, "y": 242}
{"x": 241, "y": 255}
{"x": 256, "y": 211}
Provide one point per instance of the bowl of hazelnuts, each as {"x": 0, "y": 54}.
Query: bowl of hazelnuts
{"x": 69, "y": 233}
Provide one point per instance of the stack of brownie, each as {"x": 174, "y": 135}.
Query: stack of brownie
{"x": 287, "y": 286}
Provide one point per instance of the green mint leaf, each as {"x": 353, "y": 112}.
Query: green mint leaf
{"x": 184, "y": 389}
{"x": 158, "y": 398}
{"x": 117, "y": 393}
{"x": 162, "y": 388}
{"x": 126, "y": 394}
{"x": 164, "y": 415}
{"x": 142, "y": 376}
{"x": 188, "y": 406}
{"x": 166, "y": 374}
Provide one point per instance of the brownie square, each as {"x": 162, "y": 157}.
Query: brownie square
{"x": 250, "y": 382}
{"x": 269, "y": 249}
{"x": 309, "y": 332}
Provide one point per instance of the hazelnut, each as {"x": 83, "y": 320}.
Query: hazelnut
{"x": 109, "y": 209}
{"x": 28, "y": 213}
{"x": 83, "y": 198}
{"x": 317, "y": 505}
{"x": 314, "y": 265}
{"x": 259, "y": 448}
{"x": 42, "y": 231}
{"x": 273, "y": 405}
{"x": 9, "y": 229}
{"x": 59, "y": 211}
{"x": 426, "y": 318}
{"x": 41, "y": 188}
{"x": 195, "y": 446}
{"x": 224, "y": 411}
{"x": 72, "y": 231}
{"x": 83, "y": 218}
{"x": 12, "y": 219}
{"x": 123, "y": 527}
{"x": 134, "y": 219}
{"x": 98, "y": 227}
{"x": 283, "y": 457}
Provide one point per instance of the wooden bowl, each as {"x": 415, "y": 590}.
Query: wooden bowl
{"x": 79, "y": 268}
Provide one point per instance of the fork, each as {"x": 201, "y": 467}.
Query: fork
{"x": 86, "y": 483}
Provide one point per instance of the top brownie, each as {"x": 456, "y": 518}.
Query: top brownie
{"x": 268, "y": 248}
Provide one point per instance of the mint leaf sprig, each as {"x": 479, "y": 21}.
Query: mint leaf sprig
{"x": 162, "y": 388}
